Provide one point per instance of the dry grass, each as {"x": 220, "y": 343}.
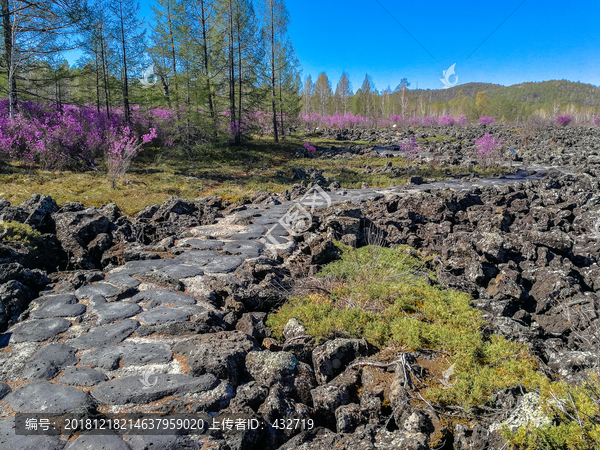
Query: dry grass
{"x": 233, "y": 173}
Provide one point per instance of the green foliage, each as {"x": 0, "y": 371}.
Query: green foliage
{"x": 19, "y": 232}
{"x": 377, "y": 294}
{"x": 575, "y": 411}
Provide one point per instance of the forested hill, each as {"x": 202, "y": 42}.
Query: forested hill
{"x": 562, "y": 91}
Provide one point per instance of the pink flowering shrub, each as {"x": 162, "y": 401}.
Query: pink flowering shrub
{"x": 339, "y": 121}
{"x": 122, "y": 147}
{"x": 429, "y": 121}
{"x": 72, "y": 137}
{"x": 563, "y": 121}
{"x": 462, "y": 120}
{"x": 485, "y": 120}
{"x": 415, "y": 121}
{"x": 447, "y": 121}
{"x": 309, "y": 147}
{"x": 410, "y": 150}
{"x": 397, "y": 120}
{"x": 596, "y": 121}
{"x": 488, "y": 149}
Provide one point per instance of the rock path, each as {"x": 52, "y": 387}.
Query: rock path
{"x": 151, "y": 334}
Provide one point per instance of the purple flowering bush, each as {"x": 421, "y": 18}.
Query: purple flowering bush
{"x": 596, "y": 121}
{"x": 309, "y": 147}
{"x": 430, "y": 121}
{"x": 123, "y": 146}
{"x": 447, "y": 121}
{"x": 339, "y": 121}
{"x": 485, "y": 120}
{"x": 488, "y": 149}
{"x": 563, "y": 121}
{"x": 397, "y": 120}
{"x": 72, "y": 137}
{"x": 410, "y": 150}
{"x": 415, "y": 121}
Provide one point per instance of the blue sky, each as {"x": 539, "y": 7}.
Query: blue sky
{"x": 541, "y": 40}
{"x": 536, "y": 40}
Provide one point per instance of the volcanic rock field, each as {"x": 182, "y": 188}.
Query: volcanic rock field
{"x": 163, "y": 313}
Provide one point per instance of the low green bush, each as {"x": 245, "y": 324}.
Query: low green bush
{"x": 383, "y": 295}
{"x": 19, "y": 232}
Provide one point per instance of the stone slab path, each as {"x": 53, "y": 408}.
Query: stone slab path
{"x": 130, "y": 344}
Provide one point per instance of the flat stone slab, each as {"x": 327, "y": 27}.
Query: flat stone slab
{"x": 104, "y": 289}
{"x": 44, "y": 397}
{"x": 106, "y": 335}
{"x": 265, "y": 221}
{"x": 58, "y": 306}
{"x": 4, "y": 390}
{"x": 81, "y": 376}
{"x": 162, "y": 315}
{"x": 279, "y": 231}
{"x": 162, "y": 297}
{"x": 38, "y": 330}
{"x": 98, "y": 442}
{"x": 133, "y": 267}
{"x": 201, "y": 244}
{"x": 180, "y": 271}
{"x": 65, "y": 298}
{"x": 197, "y": 257}
{"x": 246, "y": 249}
{"x": 9, "y": 440}
{"x": 223, "y": 264}
{"x": 49, "y": 361}
{"x": 123, "y": 280}
{"x": 128, "y": 354}
{"x": 151, "y": 388}
{"x": 111, "y": 311}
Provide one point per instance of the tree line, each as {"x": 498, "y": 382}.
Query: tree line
{"x": 504, "y": 103}
{"x": 215, "y": 62}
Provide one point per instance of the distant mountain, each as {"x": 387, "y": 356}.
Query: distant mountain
{"x": 541, "y": 92}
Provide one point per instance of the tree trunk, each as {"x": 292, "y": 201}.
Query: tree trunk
{"x": 239, "y": 42}
{"x": 281, "y": 107}
{"x": 174, "y": 59}
{"x": 211, "y": 106}
{"x": 125, "y": 72}
{"x": 273, "y": 95}
{"x": 232, "y": 115}
{"x": 8, "y": 48}
{"x": 97, "y": 79}
{"x": 105, "y": 74}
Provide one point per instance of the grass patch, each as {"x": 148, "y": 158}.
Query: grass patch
{"x": 376, "y": 294}
{"x": 234, "y": 173}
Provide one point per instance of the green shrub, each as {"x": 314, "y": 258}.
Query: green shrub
{"x": 575, "y": 414}
{"x": 377, "y": 294}
{"x": 19, "y": 232}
